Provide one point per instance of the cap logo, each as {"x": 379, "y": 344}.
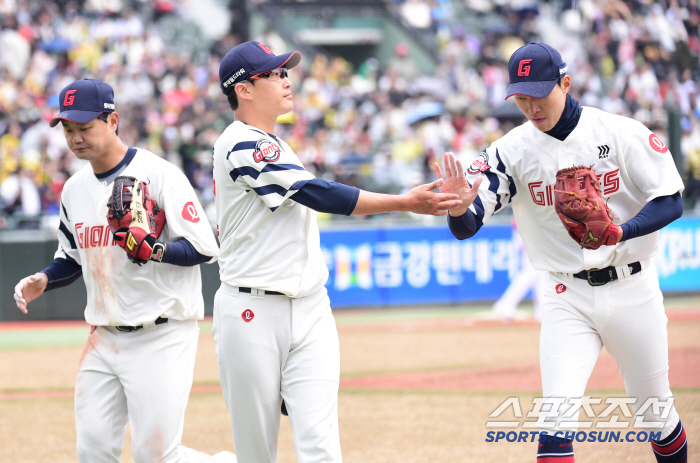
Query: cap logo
{"x": 69, "y": 98}
{"x": 233, "y": 78}
{"x": 563, "y": 70}
{"x": 524, "y": 71}
{"x": 109, "y": 106}
{"x": 265, "y": 49}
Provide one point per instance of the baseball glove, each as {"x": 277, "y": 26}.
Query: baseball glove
{"x": 135, "y": 220}
{"x": 582, "y": 210}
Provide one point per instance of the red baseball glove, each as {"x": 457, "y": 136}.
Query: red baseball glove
{"x": 135, "y": 220}
{"x": 582, "y": 210}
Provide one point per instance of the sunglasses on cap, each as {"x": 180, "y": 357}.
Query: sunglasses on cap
{"x": 275, "y": 75}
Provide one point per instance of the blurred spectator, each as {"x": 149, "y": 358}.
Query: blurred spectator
{"x": 378, "y": 126}
{"x": 417, "y": 13}
{"x": 20, "y": 194}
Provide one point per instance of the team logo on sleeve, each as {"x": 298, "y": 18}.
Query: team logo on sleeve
{"x": 656, "y": 144}
{"x": 480, "y": 164}
{"x": 267, "y": 151}
{"x": 189, "y": 213}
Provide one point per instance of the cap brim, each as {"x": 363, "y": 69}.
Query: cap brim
{"x": 79, "y": 117}
{"x": 531, "y": 89}
{"x": 287, "y": 61}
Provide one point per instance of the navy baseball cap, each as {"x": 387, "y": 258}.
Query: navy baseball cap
{"x": 534, "y": 70}
{"x": 84, "y": 100}
{"x": 251, "y": 58}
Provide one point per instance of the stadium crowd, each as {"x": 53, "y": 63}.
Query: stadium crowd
{"x": 377, "y": 127}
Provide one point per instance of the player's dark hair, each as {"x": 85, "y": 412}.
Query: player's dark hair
{"x": 233, "y": 98}
{"x": 103, "y": 117}
{"x": 559, "y": 82}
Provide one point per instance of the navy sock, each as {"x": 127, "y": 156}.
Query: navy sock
{"x": 674, "y": 448}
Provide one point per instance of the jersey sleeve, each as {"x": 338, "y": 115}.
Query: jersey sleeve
{"x": 649, "y": 163}
{"x": 67, "y": 245}
{"x": 497, "y": 188}
{"x": 268, "y": 167}
{"x": 184, "y": 215}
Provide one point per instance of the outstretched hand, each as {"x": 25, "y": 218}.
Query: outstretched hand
{"x": 422, "y": 199}
{"x": 29, "y": 288}
{"x": 455, "y": 181}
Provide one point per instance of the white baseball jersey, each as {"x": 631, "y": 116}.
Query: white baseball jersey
{"x": 633, "y": 167}
{"x": 120, "y": 292}
{"x": 267, "y": 241}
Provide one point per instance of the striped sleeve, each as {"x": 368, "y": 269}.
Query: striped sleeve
{"x": 67, "y": 244}
{"x": 496, "y": 190}
{"x": 267, "y": 166}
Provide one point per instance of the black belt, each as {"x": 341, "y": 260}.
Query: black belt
{"x": 598, "y": 277}
{"x": 271, "y": 293}
{"x": 159, "y": 321}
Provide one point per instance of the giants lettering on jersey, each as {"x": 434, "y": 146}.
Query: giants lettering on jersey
{"x": 480, "y": 164}
{"x": 544, "y": 196}
{"x": 93, "y": 237}
{"x": 266, "y": 151}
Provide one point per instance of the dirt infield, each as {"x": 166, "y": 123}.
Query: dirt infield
{"x": 684, "y": 373}
{"x": 411, "y": 391}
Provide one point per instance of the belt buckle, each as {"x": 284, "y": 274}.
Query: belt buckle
{"x": 127, "y": 329}
{"x": 591, "y": 281}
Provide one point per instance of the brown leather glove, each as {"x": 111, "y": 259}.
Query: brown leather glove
{"x": 582, "y": 210}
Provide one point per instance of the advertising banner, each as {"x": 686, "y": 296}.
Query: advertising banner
{"x": 419, "y": 265}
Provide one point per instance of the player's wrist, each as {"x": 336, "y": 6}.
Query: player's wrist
{"x": 158, "y": 249}
{"x": 458, "y": 211}
{"x": 406, "y": 202}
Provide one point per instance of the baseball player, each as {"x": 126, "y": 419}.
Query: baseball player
{"x": 606, "y": 296}
{"x": 274, "y": 331}
{"x": 138, "y": 361}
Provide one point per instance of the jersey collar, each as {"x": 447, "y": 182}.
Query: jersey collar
{"x": 130, "y": 153}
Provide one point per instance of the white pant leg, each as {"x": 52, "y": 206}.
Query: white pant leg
{"x": 100, "y": 403}
{"x": 634, "y": 330}
{"x": 569, "y": 344}
{"x": 289, "y": 348}
{"x": 157, "y": 381}
{"x": 152, "y": 371}
{"x": 310, "y": 380}
{"x": 251, "y": 355}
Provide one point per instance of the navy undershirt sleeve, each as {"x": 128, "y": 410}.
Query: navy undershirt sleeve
{"x": 329, "y": 197}
{"x": 183, "y": 253}
{"x": 655, "y": 215}
{"x": 465, "y": 226}
{"x": 62, "y": 272}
